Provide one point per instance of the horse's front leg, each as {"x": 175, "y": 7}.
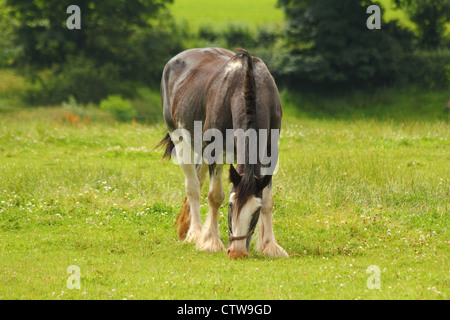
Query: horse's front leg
{"x": 210, "y": 237}
{"x": 266, "y": 240}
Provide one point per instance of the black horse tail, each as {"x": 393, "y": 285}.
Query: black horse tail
{"x": 249, "y": 90}
{"x": 166, "y": 141}
{"x": 248, "y": 185}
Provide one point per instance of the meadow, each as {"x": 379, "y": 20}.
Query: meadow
{"x": 352, "y": 191}
{"x": 217, "y": 14}
{"x": 363, "y": 181}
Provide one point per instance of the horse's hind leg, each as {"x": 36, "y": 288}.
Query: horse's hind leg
{"x": 202, "y": 172}
{"x": 266, "y": 239}
{"x": 183, "y": 221}
{"x": 210, "y": 238}
{"x": 189, "y": 221}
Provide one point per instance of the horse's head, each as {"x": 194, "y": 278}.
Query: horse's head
{"x": 244, "y": 206}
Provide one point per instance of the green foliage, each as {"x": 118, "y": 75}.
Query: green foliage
{"x": 121, "y": 109}
{"x": 396, "y": 103}
{"x": 8, "y": 50}
{"x": 118, "y": 41}
{"x": 326, "y": 45}
{"x": 147, "y": 104}
{"x": 124, "y": 44}
{"x": 205, "y": 32}
{"x": 430, "y": 17}
{"x": 12, "y": 89}
{"x": 237, "y": 35}
{"x": 426, "y": 69}
{"x": 105, "y": 28}
{"x": 447, "y": 72}
{"x": 80, "y": 78}
{"x": 330, "y": 44}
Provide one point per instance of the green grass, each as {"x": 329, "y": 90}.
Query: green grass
{"x": 384, "y": 104}
{"x": 351, "y": 192}
{"x": 218, "y": 14}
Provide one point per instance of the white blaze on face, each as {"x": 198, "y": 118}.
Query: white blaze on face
{"x": 241, "y": 223}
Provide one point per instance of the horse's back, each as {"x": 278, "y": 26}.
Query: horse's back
{"x": 184, "y": 80}
{"x": 268, "y": 97}
{"x": 199, "y": 79}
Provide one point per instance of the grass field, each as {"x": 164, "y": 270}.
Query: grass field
{"x": 217, "y": 14}
{"x": 349, "y": 194}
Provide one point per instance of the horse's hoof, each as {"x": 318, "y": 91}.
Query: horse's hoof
{"x": 193, "y": 234}
{"x": 274, "y": 250}
{"x": 213, "y": 244}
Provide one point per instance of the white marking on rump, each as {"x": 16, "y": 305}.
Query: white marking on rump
{"x": 233, "y": 65}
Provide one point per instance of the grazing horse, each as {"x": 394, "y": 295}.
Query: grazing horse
{"x": 223, "y": 90}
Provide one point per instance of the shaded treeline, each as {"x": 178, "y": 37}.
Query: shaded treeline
{"x": 123, "y": 45}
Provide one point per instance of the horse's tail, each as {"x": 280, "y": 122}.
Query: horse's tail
{"x": 166, "y": 141}
{"x": 184, "y": 219}
{"x": 249, "y": 90}
{"x": 248, "y": 184}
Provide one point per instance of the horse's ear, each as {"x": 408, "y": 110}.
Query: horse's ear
{"x": 235, "y": 177}
{"x": 263, "y": 182}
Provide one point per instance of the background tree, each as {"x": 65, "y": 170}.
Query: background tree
{"x": 430, "y": 17}
{"x": 329, "y": 43}
{"x": 119, "y": 41}
{"x": 8, "y": 51}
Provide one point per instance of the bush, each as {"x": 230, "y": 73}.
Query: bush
{"x": 330, "y": 45}
{"x": 426, "y": 69}
{"x": 233, "y": 36}
{"x": 80, "y": 78}
{"x": 147, "y": 104}
{"x": 86, "y": 81}
{"x": 237, "y": 35}
{"x": 207, "y": 33}
{"x": 119, "y": 108}
{"x": 122, "y": 44}
{"x": 8, "y": 50}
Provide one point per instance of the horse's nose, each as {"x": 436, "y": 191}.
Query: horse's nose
{"x": 233, "y": 254}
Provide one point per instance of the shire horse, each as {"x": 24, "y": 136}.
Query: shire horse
{"x": 224, "y": 90}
